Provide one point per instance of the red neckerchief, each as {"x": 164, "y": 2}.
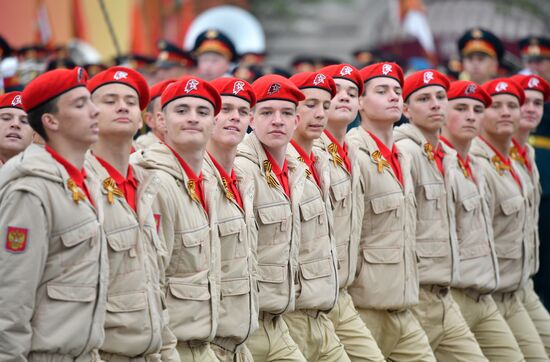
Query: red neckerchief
{"x": 308, "y": 160}
{"x": 342, "y": 150}
{"x": 505, "y": 161}
{"x": 463, "y": 163}
{"x": 519, "y": 153}
{"x": 281, "y": 174}
{"x": 439, "y": 155}
{"x": 194, "y": 180}
{"x": 128, "y": 185}
{"x": 229, "y": 183}
{"x": 392, "y": 156}
{"x": 78, "y": 176}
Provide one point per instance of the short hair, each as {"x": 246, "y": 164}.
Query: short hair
{"x": 35, "y": 116}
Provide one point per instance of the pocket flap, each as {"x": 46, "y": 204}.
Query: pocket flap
{"x": 312, "y": 209}
{"x": 78, "y": 235}
{"x": 316, "y": 269}
{"x": 471, "y": 203}
{"x": 123, "y": 240}
{"x": 189, "y": 291}
{"x": 71, "y": 293}
{"x": 273, "y": 214}
{"x": 235, "y": 287}
{"x": 271, "y": 273}
{"x": 386, "y": 203}
{"x": 511, "y": 206}
{"x": 432, "y": 249}
{"x": 433, "y": 191}
{"x": 341, "y": 190}
{"x": 383, "y": 255}
{"x": 126, "y": 302}
{"x": 508, "y": 251}
{"x": 230, "y": 227}
{"x": 195, "y": 238}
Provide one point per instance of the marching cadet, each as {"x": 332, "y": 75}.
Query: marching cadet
{"x": 53, "y": 259}
{"x": 134, "y": 321}
{"x": 386, "y": 281}
{"x": 151, "y": 118}
{"x": 469, "y": 216}
{"x": 480, "y": 52}
{"x": 184, "y": 208}
{"x": 317, "y": 277}
{"x": 15, "y": 132}
{"x": 537, "y": 92}
{"x": 278, "y": 182}
{"x": 508, "y": 207}
{"x": 425, "y": 97}
{"x": 215, "y": 54}
{"x": 347, "y": 209}
{"x": 235, "y": 224}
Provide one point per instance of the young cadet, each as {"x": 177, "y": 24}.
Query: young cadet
{"x": 537, "y": 92}
{"x": 317, "y": 277}
{"x": 347, "y": 209}
{"x": 235, "y": 224}
{"x": 386, "y": 282}
{"x": 53, "y": 257}
{"x": 508, "y": 207}
{"x": 425, "y": 96}
{"x": 134, "y": 320}
{"x": 184, "y": 208}
{"x": 471, "y": 220}
{"x": 150, "y": 116}
{"x": 278, "y": 182}
{"x": 15, "y": 132}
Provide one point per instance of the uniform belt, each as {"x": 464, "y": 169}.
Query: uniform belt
{"x": 313, "y": 313}
{"x": 112, "y": 357}
{"x": 193, "y": 344}
{"x": 267, "y": 315}
{"x": 474, "y": 294}
{"x": 437, "y": 289}
{"x": 540, "y": 142}
{"x": 501, "y": 297}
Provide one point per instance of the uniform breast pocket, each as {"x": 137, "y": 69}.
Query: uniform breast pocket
{"x": 274, "y": 224}
{"x": 232, "y": 234}
{"x": 469, "y": 216}
{"x": 314, "y": 219}
{"x": 194, "y": 254}
{"x": 431, "y": 202}
{"x": 77, "y": 245}
{"x": 340, "y": 196}
{"x": 123, "y": 250}
{"x": 386, "y": 213}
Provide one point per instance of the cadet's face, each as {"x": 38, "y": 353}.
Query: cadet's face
{"x": 464, "y": 118}
{"x": 77, "y": 117}
{"x": 274, "y": 122}
{"x": 427, "y": 108}
{"x": 212, "y": 65}
{"x": 345, "y": 104}
{"x": 232, "y": 122}
{"x": 313, "y": 113}
{"x": 15, "y": 132}
{"x": 502, "y": 118}
{"x": 382, "y": 100}
{"x": 119, "y": 113}
{"x": 189, "y": 122}
{"x": 532, "y": 110}
{"x": 480, "y": 67}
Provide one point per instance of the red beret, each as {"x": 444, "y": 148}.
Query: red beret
{"x": 228, "y": 86}
{"x": 157, "y": 89}
{"x": 505, "y": 86}
{"x": 276, "y": 87}
{"x": 52, "y": 84}
{"x": 424, "y": 78}
{"x": 468, "y": 89}
{"x": 11, "y": 100}
{"x": 384, "y": 69}
{"x": 188, "y": 86}
{"x": 318, "y": 80}
{"x": 344, "y": 71}
{"x": 533, "y": 82}
{"x": 122, "y": 75}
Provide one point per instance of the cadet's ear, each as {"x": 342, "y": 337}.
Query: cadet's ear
{"x": 49, "y": 122}
{"x": 406, "y": 110}
{"x": 252, "y": 124}
{"x": 149, "y": 119}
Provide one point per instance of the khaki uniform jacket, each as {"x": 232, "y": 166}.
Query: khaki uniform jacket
{"x": 508, "y": 210}
{"x": 134, "y": 320}
{"x": 278, "y": 222}
{"x": 387, "y": 272}
{"x": 236, "y": 229}
{"x": 317, "y": 286}
{"x": 145, "y": 140}
{"x": 53, "y": 293}
{"x": 347, "y": 211}
{"x": 436, "y": 242}
{"x": 191, "y": 283}
{"x": 470, "y": 217}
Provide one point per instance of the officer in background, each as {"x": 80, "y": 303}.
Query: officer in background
{"x": 15, "y": 131}
{"x": 215, "y": 54}
{"x": 172, "y": 62}
{"x": 480, "y": 51}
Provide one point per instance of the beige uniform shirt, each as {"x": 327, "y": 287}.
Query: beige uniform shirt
{"x": 192, "y": 270}
{"x": 436, "y": 244}
{"x": 508, "y": 210}
{"x": 278, "y": 222}
{"x": 145, "y": 140}
{"x": 347, "y": 210}
{"x": 387, "y": 272}
{"x": 317, "y": 286}
{"x": 237, "y": 232}
{"x": 53, "y": 263}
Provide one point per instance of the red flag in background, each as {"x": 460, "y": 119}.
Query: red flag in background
{"x": 138, "y": 41}
{"x": 79, "y": 24}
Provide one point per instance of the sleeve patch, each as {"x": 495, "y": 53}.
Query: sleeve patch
{"x": 16, "y": 239}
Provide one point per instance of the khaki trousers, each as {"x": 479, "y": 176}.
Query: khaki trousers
{"x": 537, "y": 312}
{"x": 398, "y": 334}
{"x": 196, "y": 353}
{"x": 493, "y": 335}
{"x": 242, "y": 354}
{"x": 448, "y": 333}
{"x": 272, "y": 341}
{"x": 358, "y": 341}
{"x": 314, "y": 334}
{"x": 511, "y": 308}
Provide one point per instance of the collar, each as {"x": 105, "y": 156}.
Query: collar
{"x": 384, "y": 150}
{"x": 188, "y": 171}
{"x": 342, "y": 150}
{"x": 463, "y": 163}
{"x": 78, "y": 176}
{"x": 117, "y": 176}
